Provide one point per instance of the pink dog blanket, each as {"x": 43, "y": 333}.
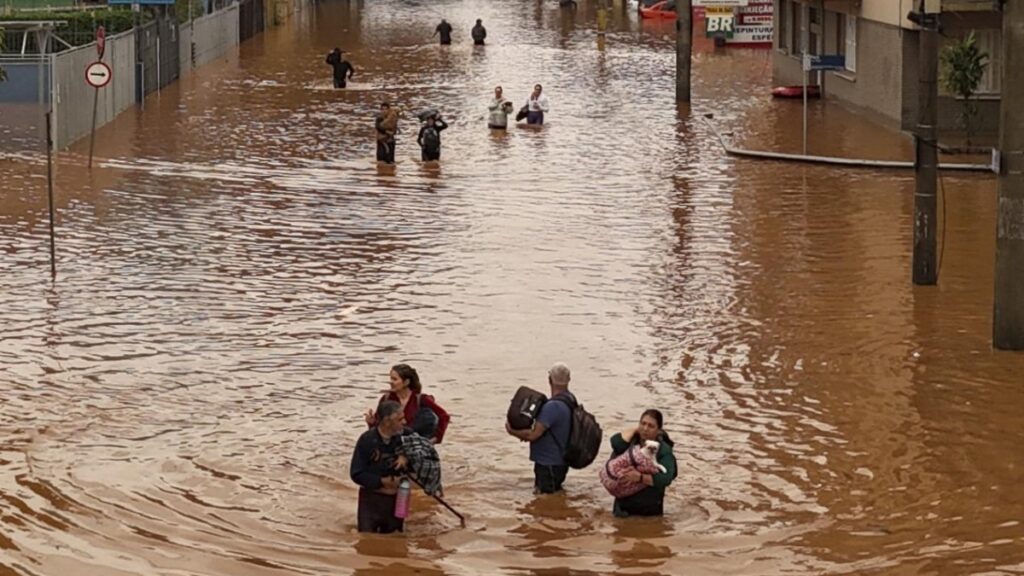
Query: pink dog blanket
{"x": 613, "y": 470}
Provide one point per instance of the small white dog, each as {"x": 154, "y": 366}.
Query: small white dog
{"x": 642, "y": 458}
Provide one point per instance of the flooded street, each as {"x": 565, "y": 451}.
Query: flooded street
{"x": 236, "y": 276}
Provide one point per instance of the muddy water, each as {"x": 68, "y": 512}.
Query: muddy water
{"x": 236, "y": 277}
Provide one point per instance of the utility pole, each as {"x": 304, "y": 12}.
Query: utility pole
{"x": 684, "y": 48}
{"x": 927, "y": 152}
{"x": 1008, "y": 317}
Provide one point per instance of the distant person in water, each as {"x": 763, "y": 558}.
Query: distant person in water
{"x": 386, "y": 125}
{"x": 430, "y": 138}
{"x": 444, "y": 29}
{"x": 536, "y": 106}
{"x": 343, "y": 69}
{"x": 479, "y": 33}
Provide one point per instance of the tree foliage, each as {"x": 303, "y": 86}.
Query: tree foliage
{"x": 963, "y": 65}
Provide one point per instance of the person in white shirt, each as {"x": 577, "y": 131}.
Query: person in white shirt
{"x": 536, "y": 106}
{"x": 499, "y": 109}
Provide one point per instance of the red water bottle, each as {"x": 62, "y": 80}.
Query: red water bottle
{"x": 402, "y": 499}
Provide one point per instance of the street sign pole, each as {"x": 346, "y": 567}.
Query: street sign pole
{"x": 101, "y": 48}
{"x": 92, "y": 133}
{"x": 806, "y": 67}
{"x": 49, "y": 194}
{"x": 811, "y": 63}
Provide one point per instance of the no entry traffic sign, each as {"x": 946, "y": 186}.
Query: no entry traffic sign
{"x": 98, "y": 74}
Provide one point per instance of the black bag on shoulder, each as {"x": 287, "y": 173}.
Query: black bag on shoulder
{"x": 525, "y": 407}
{"x": 584, "y": 435}
{"x": 523, "y": 112}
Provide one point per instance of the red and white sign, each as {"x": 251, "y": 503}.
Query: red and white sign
{"x": 101, "y": 41}
{"x": 98, "y": 74}
{"x": 754, "y": 24}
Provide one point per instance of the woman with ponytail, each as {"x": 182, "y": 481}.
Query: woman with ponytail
{"x": 422, "y": 413}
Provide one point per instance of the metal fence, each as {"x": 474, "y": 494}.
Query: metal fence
{"x": 73, "y": 98}
{"x": 141, "y": 61}
{"x": 250, "y": 19}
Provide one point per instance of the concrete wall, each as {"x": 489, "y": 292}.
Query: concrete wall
{"x": 214, "y": 35}
{"x": 185, "y": 63}
{"x": 891, "y": 12}
{"x": 73, "y": 98}
{"x": 877, "y": 85}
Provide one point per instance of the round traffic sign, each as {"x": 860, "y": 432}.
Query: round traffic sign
{"x": 98, "y": 74}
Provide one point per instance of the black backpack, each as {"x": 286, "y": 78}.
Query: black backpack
{"x": 431, "y": 138}
{"x": 584, "y": 435}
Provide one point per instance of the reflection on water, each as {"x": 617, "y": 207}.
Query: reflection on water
{"x": 237, "y": 274}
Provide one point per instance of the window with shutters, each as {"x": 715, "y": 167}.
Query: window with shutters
{"x": 795, "y": 45}
{"x": 783, "y": 19}
{"x": 991, "y": 42}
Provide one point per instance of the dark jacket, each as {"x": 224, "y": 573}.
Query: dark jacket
{"x": 342, "y": 67}
{"x": 479, "y": 33}
{"x": 373, "y": 459}
{"x": 445, "y": 30}
{"x": 649, "y": 501}
{"x": 438, "y": 125}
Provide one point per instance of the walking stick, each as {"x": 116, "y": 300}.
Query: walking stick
{"x": 462, "y": 519}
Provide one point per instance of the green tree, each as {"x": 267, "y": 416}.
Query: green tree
{"x": 963, "y": 65}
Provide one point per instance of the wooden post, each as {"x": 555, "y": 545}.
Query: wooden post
{"x": 1008, "y": 317}
{"x": 684, "y": 48}
{"x": 926, "y": 167}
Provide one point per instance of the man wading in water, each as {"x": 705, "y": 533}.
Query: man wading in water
{"x": 386, "y": 125}
{"x": 343, "y": 69}
{"x": 430, "y": 137}
{"x": 378, "y": 470}
{"x": 444, "y": 29}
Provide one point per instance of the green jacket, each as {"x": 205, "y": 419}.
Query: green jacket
{"x": 650, "y": 500}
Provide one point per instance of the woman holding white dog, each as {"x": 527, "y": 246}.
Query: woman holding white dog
{"x": 651, "y": 499}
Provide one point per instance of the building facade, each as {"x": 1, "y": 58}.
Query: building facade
{"x": 881, "y": 50}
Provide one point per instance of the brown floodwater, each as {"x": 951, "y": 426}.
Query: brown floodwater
{"x": 236, "y": 277}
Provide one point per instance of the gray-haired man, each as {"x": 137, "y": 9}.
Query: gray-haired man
{"x": 376, "y": 469}
{"x": 550, "y": 433}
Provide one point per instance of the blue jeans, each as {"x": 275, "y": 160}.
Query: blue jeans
{"x": 535, "y": 117}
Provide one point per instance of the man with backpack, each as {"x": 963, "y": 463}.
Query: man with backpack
{"x": 430, "y": 137}
{"x": 479, "y": 33}
{"x": 563, "y": 435}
